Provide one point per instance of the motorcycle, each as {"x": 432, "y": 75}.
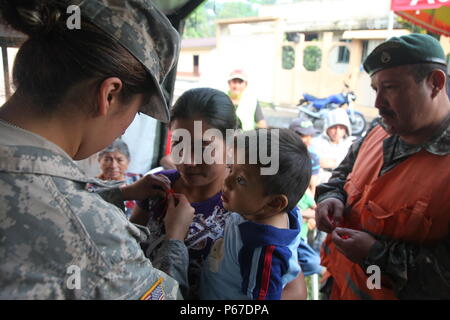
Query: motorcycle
{"x": 316, "y": 109}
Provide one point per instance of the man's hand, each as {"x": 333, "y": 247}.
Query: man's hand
{"x": 353, "y": 244}
{"x": 148, "y": 186}
{"x": 329, "y": 214}
{"x": 178, "y": 217}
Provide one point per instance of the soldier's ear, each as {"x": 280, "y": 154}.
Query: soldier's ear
{"x": 436, "y": 81}
{"x": 108, "y": 96}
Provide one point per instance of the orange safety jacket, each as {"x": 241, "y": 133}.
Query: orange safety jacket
{"x": 409, "y": 203}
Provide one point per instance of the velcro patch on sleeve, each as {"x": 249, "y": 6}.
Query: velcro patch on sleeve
{"x": 156, "y": 292}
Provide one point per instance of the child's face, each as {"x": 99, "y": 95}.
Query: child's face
{"x": 200, "y": 174}
{"x": 243, "y": 191}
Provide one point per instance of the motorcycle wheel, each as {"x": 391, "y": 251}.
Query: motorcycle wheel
{"x": 358, "y": 124}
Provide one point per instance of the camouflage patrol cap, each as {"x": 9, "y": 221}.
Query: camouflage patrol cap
{"x": 146, "y": 33}
{"x": 410, "y": 49}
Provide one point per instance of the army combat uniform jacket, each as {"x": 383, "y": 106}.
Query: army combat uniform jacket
{"x": 59, "y": 241}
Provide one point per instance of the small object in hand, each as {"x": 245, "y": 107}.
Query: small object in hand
{"x": 345, "y": 236}
{"x": 170, "y": 192}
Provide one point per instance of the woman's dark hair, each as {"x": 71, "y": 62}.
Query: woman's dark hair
{"x": 55, "y": 58}
{"x": 212, "y": 105}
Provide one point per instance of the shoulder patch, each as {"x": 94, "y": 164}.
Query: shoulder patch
{"x": 156, "y": 292}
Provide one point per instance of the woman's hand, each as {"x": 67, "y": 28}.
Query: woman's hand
{"x": 178, "y": 217}
{"x": 149, "y": 186}
{"x": 329, "y": 214}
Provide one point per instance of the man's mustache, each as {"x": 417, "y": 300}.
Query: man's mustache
{"x": 386, "y": 113}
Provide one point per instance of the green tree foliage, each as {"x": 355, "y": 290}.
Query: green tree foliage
{"x": 288, "y": 58}
{"x": 201, "y": 22}
{"x": 312, "y": 58}
{"x": 231, "y": 10}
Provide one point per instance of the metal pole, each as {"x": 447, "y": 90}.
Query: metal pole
{"x": 6, "y": 72}
{"x": 315, "y": 285}
{"x": 390, "y": 24}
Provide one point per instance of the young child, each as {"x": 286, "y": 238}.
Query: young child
{"x": 257, "y": 256}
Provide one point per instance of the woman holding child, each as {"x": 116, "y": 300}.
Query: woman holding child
{"x": 200, "y": 183}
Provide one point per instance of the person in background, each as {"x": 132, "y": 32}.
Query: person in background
{"x": 306, "y": 131}
{"x": 308, "y": 254}
{"x": 247, "y": 106}
{"x": 333, "y": 144}
{"x": 386, "y": 208}
{"x": 114, "y": 161}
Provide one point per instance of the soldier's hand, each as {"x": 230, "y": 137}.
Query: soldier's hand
{"x": 329, "y": 214}
{"x": 353, "y": 244}
{"x": 178, "y": 217}
{"x": 149, "y": 186}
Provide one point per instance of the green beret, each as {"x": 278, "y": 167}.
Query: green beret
{"x": 410, "y": 49}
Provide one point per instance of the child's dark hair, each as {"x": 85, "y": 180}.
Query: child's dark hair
{"x": 294, "y": 171}
{"x": 212, "y": 105}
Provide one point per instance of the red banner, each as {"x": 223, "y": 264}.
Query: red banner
{"x": 402, "y": 5}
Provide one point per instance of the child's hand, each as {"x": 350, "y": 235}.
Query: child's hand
{"x": 148, "y": 186}
{"x": 178, "y": 217}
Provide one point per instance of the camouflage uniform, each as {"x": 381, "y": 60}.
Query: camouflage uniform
{"x": 402, "y": 261}
{"x": 49, "y": 222}
{"x": 141, "y": 28}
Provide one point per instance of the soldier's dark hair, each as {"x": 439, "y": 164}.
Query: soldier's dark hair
{"x": 294, "y": 171}
{"x": 211, "y": 105}
{"x": 421, "y": 70}
{"x": 55, "y": 58}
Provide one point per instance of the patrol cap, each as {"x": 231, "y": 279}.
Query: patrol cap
{"x": 303, "y": 126}
{"x": 238, "y": 74}
{"x": 142, "y": 29}
{"x": 409, "y": 49}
